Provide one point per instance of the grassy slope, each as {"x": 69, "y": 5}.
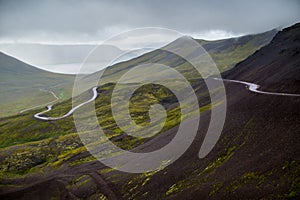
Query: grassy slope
{"x": 55, "y": 146}
{"x": 38, "y": 146}
{"x": 228, "y": 52}
{"x": 21, "y": 84}
{"x": 23, "y": 128}
{"x": 225, "y": 53}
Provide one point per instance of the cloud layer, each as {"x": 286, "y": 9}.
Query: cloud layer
{"x": 73, "y": 21}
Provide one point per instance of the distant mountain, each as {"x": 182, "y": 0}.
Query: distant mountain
{"x": 225, "y": 53}
{"x": 21, "y": 85}
{"x": 276, "y": 66}
{"x": 60, "y": 58}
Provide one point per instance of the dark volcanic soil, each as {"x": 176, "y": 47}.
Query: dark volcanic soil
{"x": 276, "y": 66}
{"x": 264, "y": 129}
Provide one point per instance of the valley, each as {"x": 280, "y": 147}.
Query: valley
{"x": 256, "y": 157}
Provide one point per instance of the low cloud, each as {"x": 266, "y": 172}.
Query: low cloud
{"x": 91, "y": 21}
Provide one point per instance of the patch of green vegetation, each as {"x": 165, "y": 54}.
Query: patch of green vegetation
{"x": 216, "y": 188}
{"x": 78, "y": 182}
{"x": 20, "y": 161}
{"x": 106, "y": 170}
{"x": 99, "y": 196}
{"x": 82, "y": 160}
{"x": 33, "y": 157}
{"x": 292, "y": 172}
{"x": 178, "y": 187}
{"x": 133, "y": 188}
{"x": 221, "y": 159}
{"x": 67, "y": 155}
{"x": 24, "y": 128}
{"x": 249, "y": 178}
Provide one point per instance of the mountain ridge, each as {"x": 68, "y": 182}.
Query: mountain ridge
{"x": 285, "y": 46}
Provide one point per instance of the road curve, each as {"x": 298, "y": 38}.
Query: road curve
{"x": 44, "y": 104}
{"x": 250, "y": 86}
{"x": 49, "y": 107}
{"x": 254, "y": 88}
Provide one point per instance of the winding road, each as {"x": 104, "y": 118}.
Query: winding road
{"x": 254, "y": 88}
{"x": 49, "y": 107}
{"x": 250, "y": 86}
{"x": 44, "y": 104}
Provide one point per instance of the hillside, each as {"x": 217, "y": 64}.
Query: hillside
{"x": 21, "y": 85}
{"x": 280, "y": 74}
{"x": 257, "y": 156}
{"x": 226, "y": 53}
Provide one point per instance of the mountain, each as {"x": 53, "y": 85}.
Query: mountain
{"x": 225, "y": 53}
{"x": 68, "y": 58}
{"x": 59, "y": 58}
{"x": 256, "y": 157}
{"x": 22, "y": 85}
{"x": 280, "y": 74}
{"x": 22, "y": 82}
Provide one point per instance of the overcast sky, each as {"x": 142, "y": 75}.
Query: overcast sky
{"x": 73, "y": 21}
